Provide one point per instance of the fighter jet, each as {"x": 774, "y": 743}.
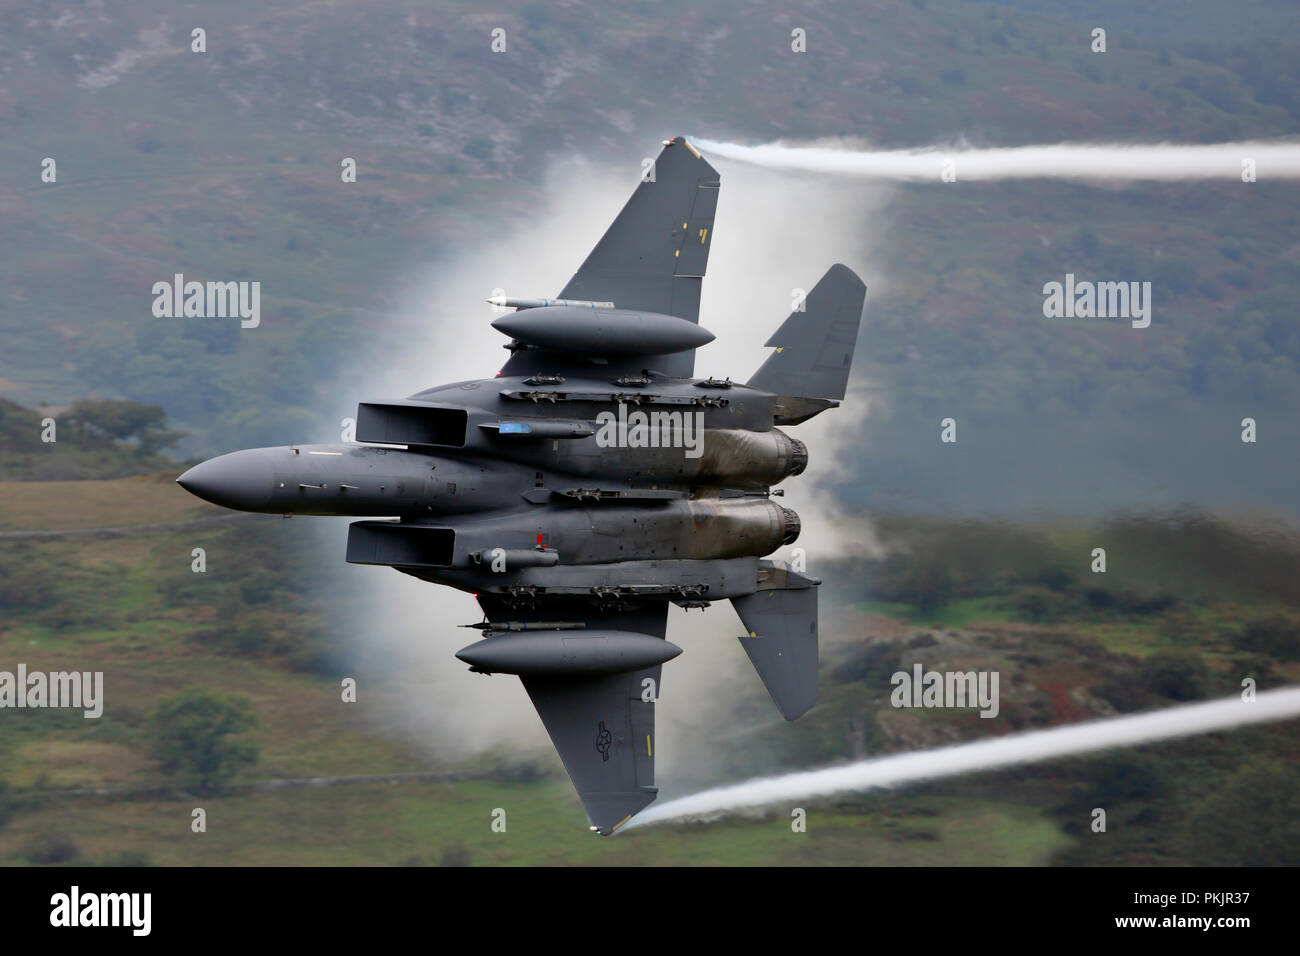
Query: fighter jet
{"x": 592, "y": 482}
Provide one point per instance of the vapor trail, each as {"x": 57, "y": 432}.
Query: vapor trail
{"x": 992, "y": 754}
{"x": 1089, "y": 161}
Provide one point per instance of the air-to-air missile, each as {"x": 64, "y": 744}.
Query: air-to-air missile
{"x": 591, "y": 483}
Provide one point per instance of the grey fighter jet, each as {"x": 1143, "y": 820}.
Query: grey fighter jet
{"x": 595, "y": 480}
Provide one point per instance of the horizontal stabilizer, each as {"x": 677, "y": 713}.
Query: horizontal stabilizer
{"x": 814, "y": 348}
{"x": 781, "y": 642}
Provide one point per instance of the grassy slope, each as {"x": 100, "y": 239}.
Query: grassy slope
{"x": 69, "y": 505}
{"x": 152, "y": 633}
{"x": 418, "y": 824}
{"x": 147, "y": 647}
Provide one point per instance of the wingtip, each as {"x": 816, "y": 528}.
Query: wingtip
{"x": 682, "y": 140}
{"x": 842, "y": 272}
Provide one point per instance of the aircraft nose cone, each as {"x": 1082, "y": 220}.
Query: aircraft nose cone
{"x": 242, "y": 480}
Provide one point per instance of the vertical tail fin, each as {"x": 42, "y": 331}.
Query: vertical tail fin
{"x": 814, "y": 348}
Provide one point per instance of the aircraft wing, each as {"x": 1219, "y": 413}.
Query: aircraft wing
{"x": 602, "y": 725}
{"x": 652, "y": 258}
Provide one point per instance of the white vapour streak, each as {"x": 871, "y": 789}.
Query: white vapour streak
{"x": 1087, "y": 161}
{"x": 992, "y": 754}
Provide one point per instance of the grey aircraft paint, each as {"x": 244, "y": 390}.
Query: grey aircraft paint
{"x": 592, "y": 482}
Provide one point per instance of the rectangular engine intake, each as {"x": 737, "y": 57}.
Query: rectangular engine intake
{"x": 390, "y": 543}
{"x": 393, "y": 423}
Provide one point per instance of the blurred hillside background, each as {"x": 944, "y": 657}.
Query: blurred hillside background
{"x": 225, "y": 166}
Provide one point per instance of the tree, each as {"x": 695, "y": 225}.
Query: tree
{"x": 1274, "y": 637}
{"x": 1176, "y": 674}
{"x": 197, "y": 736}
{"x": 1252, "y": 820}
{"x": 926, "y": 583}
{"x": 124, "y": 421}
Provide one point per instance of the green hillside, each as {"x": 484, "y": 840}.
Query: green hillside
{"x": 225, "y": 166}
{"x": 258, "y": 626}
